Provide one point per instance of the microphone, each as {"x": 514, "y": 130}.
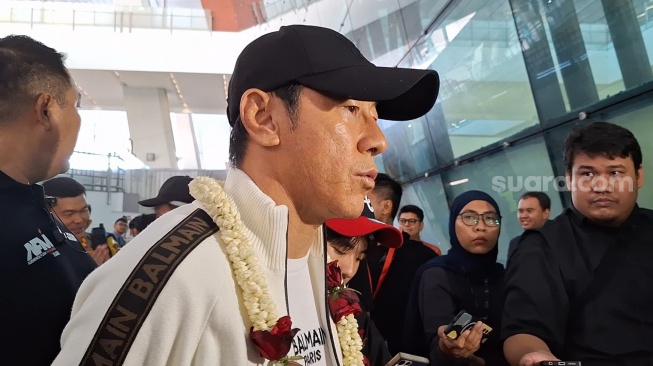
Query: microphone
{"x": 58, "y": 237}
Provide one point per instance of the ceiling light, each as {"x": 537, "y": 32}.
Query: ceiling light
{"x": 88, "y": 96}
{"x": 179, "y": 95}
{"x": 457, "y": 182}
{"x": 225, "y": 84}
{"x": 117, "y": 75}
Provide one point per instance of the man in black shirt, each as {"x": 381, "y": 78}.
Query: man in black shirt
{"x": 533, "y": 212}
{"x": 389, "y": 271}
{"x": 41, "y": 264}
{"x": 66, "y": 199}
{"x": 579, "y": 288}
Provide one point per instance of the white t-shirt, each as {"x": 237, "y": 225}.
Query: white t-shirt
{"x": 311, "y": 339}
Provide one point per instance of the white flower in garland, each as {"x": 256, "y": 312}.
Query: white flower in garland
{"x": 350, "y": 341}
{"x": 244, "y": 263}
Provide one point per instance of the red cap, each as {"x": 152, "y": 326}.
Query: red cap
{"x": 385, "y": 234}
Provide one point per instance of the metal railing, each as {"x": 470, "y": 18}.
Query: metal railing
{"x": 147, "y": 182}
{"x": 119, "y": 19}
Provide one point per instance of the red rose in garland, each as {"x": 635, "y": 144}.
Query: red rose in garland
{"x": 344, "y": 302}
{"x": 275, "y": 344}
{"x": 344, "y": 306}
{"x": 342, "y": 299}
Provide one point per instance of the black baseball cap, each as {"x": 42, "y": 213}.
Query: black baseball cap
{"x": 325, "y": 60}
{"x": 174, "y": 191}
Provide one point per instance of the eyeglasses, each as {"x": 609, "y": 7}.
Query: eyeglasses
{"x": 409, "y": 222}
{"x": 490, "y": 219}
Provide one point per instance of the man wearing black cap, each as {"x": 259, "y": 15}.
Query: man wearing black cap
{"x": 304, "y": 104}
{"x": 173, "y": 193}
{"x": 41, "y": 263}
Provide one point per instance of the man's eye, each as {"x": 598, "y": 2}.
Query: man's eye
{"x": 352, "y": 108}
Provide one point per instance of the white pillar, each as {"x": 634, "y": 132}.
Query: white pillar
{"x": 187, "y": 148}
{"x": 150, "y": 128}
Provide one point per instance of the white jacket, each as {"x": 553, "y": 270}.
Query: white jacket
{"x": 198, "y": 318}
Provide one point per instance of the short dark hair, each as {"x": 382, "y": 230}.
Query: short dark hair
{"x": 345, "y": 243}
{"x": 29, "y": 68}
{"x": 389, "y": 189}
{"x": 142, "y": 221}
{"x": 289, "y": 95}
{"x": 413, "y": 209}
{"x": 63, "y": 187}
{"x": 122, "y": 219}
{"x": 542, "y": 198}
{"x": 601, "y": 138}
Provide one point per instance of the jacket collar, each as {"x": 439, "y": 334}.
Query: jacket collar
{"x": 267, "y": 222}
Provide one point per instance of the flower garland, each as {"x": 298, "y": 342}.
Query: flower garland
{"x": 344, "y": 306}
{"x": 271, "y": 335}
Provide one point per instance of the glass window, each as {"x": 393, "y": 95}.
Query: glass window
{"x": 506, "y": 176}
{"x": 410, "y": 149}
{"x": 212, "y": 133}
{"x": 580, "y": 52}
{"x": 485, "y": 93}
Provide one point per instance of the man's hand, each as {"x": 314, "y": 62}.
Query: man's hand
{"x": 534, "y": 358}
{"x": 100, "y": 254}
{"x": 463, "y": 347}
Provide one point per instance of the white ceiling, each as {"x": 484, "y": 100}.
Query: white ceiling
{"x": 103, "y": 89}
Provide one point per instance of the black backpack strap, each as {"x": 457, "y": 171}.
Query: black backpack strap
{"x": 128, "y": 311}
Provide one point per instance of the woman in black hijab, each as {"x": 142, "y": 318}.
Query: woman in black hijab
{"x": 467, "y": 278}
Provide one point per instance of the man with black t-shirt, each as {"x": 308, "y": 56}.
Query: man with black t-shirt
{"x": 389, "y": 271}
{"x": 579, "y": 288}
{"x": 41, "y": 264}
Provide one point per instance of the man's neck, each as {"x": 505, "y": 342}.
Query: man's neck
{"x": 12, "y": 164}
{"x": 300, "y": 237}
{"x": 387, "y": 220}
{"x": 300, "y": 233}
{"x": 13, "y": 168}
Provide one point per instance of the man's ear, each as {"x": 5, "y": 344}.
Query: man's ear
{"x": 42, "y": 110}
{"x": 256, "y": 116}
{"x": 386, "y": 207}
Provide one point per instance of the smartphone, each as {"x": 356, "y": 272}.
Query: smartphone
{"x": 560, "y": 363}
{"x": 98, "y": 236}
{"x": 406, "y": 359}
{"x": 462, "y": 322}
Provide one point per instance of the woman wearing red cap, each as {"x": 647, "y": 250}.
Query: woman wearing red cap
{"x": 348, "y": 241}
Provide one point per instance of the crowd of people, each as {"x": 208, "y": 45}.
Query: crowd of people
{"x": 240, "y": 272}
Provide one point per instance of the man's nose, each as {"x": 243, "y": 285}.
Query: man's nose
{"x": 347, "y": 269}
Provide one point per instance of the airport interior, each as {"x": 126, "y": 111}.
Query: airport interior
{"x": 516, "y": 76}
